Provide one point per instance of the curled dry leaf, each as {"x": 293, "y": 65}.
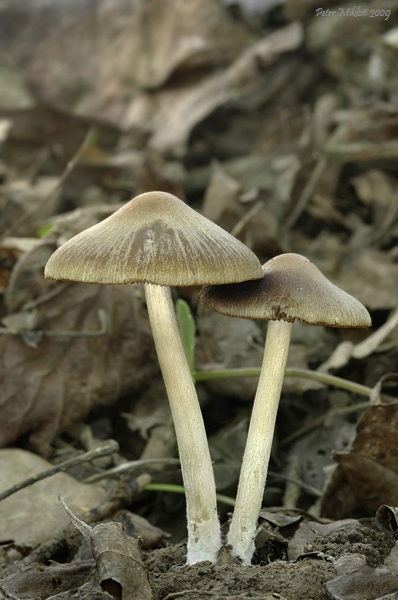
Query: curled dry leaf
{"x": 120, "y": 568}
{"x": 387, "y": 518}
{"x": 45, "y": 389}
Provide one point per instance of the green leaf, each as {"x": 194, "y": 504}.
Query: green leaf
{"x": 42, "y": 231}
{"x": 187, "y": 327}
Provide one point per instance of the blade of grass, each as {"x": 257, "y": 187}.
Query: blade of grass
{"x": 187, "y": 327}
{"x": 179, "y": 489}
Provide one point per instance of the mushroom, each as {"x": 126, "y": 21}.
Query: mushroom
{"x": 157, "y": 239}
{"x": 292, "y": 288}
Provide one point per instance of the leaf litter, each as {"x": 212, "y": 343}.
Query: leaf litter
{"x": 280, "y": 126}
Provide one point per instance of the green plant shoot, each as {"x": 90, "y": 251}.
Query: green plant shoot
{"x": 187, "y": 327}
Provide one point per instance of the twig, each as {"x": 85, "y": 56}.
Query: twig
{"x": 32, "y": 337}
{"x": 335, "y": 412}
{"x": 241, "y": 224}
{"x": 131, "y": 465}
{"x": 69, "y": 167}
{"x": 298, "y": 482}
{"x": 306, "y": 193}
{"x": 109, "y": 448}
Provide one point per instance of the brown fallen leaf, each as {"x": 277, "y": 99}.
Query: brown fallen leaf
{"x": 46, "y": 389}
{"x": 387, "y": 518}
{"x": 369, "y": 466}
{"x": 373, "y": 483}
{"x": 38, "y": 580}
{"x": 124, "y": 46}
{"x": 171, "y": 114}
{"x": 356, "y": 579}
{"x": 120, "y": 568}
{"x": 20, "y": 194}
{"x": 308, "y": 530}
{"x": 149, "y": 534}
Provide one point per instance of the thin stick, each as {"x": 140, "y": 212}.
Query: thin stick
{"x": 131, "y": 465}
{"x": 109, "y": 448}
{"x": 306, "y": 193}
{"x": 334, "y": 412}
{"x": 69, "y": 167}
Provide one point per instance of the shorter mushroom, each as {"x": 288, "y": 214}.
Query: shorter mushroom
{"x": 292, "y": 288}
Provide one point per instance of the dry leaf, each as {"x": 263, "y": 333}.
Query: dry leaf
{"x": 308, "y": 530}
{"x": 125, "y": 46}
{"x": 227, "y": 343}
{"x": 176, "y": 112}
{"x": 34, "y": 513}
{"x": 21, "y": 198}
{"x": 40, "y": 581}
{"x": 120, "y": 568}
{"x": 221, "y": 196}
{"x": 45, "y": 389}
{"x": 373, "y": 483}
{"x": 361, "y": 274}
{"x": 370, "y": 466}
{"x": 356, "y": 579}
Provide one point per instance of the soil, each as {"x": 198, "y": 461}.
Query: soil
{"x": 304, "y": 580}
{"x": 374, "y": 545}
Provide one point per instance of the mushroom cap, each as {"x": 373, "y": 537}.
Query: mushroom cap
{"x": 154, "y": 238}
{"x": 292, "y": 288}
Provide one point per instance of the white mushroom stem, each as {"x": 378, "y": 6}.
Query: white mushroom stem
{"x": 204, "y": 538}
{"x": 254, "y": 468}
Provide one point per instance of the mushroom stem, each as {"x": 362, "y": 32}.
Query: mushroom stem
{"x": 254, "y": 468}
{"x": 204, "y": 539}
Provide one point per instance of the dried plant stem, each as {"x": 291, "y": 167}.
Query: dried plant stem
{"x": 68, "y": 169}
{"x": 319, "y": 421}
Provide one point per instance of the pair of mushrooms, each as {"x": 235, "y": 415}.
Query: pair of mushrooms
{"x": 159, "y": 240}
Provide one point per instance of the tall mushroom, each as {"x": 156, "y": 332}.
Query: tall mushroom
{"x": 157, "y": 239}
{"x": 292, "y": 288}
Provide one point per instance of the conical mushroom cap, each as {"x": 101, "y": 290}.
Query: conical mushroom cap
{"x": 292, "y": 288}
{"x": 154, "y": 238}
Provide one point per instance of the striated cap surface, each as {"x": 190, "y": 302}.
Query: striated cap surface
{"x": 292, "y": 287}
{"x": 154, "y": 238}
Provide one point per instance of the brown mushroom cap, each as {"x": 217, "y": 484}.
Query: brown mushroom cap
{"x": 154, "y": 238}
{"x": 292, "y": 288}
